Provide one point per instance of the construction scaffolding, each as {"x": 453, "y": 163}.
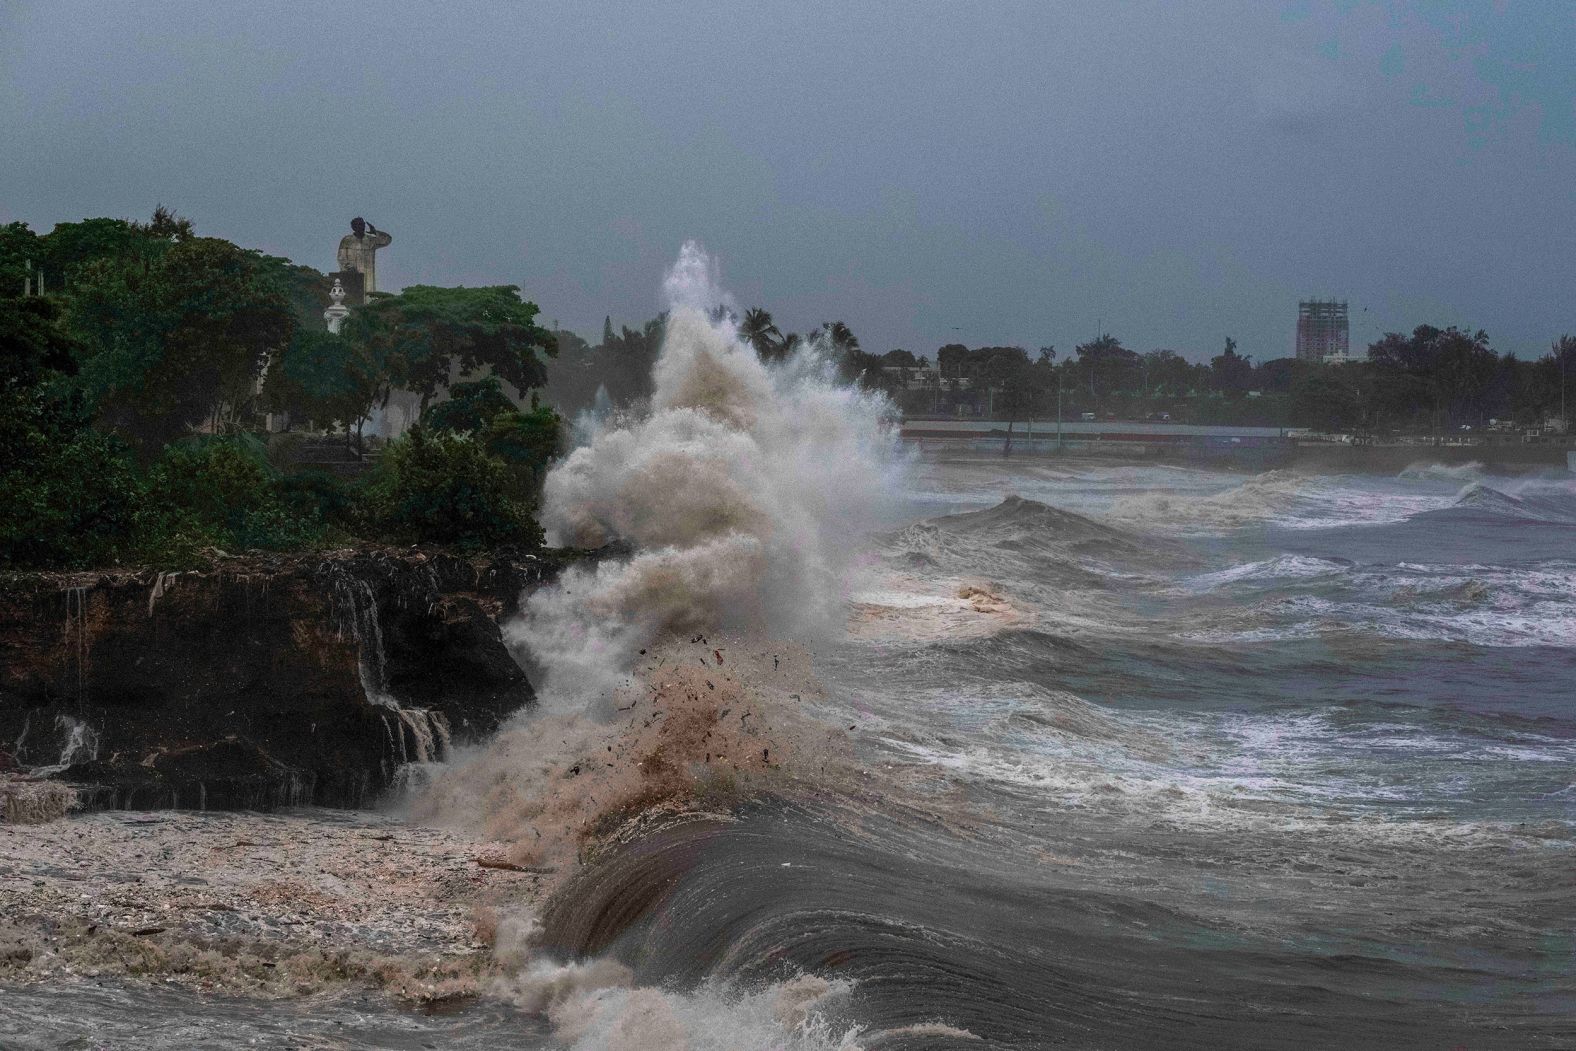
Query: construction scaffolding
{"x": 1323, "y": 331}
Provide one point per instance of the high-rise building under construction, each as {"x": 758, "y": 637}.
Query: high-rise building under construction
{"x": 1322, "y": 330}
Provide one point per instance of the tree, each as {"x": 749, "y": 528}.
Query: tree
{"x": 855, "y": 366}
{"x": 1326, "y": 399}
{"x": 471, "y": 406}
{"x": 71, "y": 248}
{"x": 526, "y": 440}
{"x": 19, "y": 246}
{"x": 1442, "y": 372}
{"x": 322, "y": 377}
{"x": 1010, "y": 385}
{"x": 171, "y": 339}
{"x": 1230, "y": 372}
{"x": 418, "y": 338}
{"x": 33, "y": 342}
{"x": 1564, "y": 354}
{"x": 70, "y": 492}
{"x": 1278, "y": 374}
{"x": 1167, "y": 373}
{"x": 760, "y": 332}
{"x": 1105, "y": 363}
{"x": 951, "y": 359}
{"x": 529, "y": 440}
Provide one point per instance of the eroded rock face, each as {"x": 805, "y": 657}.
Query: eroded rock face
{"x": 259, "y": 682}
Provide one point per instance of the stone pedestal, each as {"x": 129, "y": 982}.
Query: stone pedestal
{"x": 354, "y": 284}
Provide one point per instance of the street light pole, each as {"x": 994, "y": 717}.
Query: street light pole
{"x": 1058, "y": 414}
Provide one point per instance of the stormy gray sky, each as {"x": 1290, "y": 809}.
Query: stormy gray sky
{"x": 928, "y": 172}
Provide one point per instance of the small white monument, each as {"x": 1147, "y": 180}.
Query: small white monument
{"x": 337, "y": 312}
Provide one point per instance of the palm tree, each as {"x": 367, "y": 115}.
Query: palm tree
{"x": 760, "y": 332}
{"x": 840, "y": 336}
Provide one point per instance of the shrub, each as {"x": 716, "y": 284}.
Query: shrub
{"x": 70, "y": 494}
{"x": 527, "y": 439}
{"x": 447, "y": 488}
{"x": 220, "y": 481}
{"x": 221, "y": 492}
{"x": 314, "y": 494}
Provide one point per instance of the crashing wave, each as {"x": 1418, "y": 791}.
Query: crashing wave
{"x": 1549, "y": 503}
{"x": 741, "y": 491}
{"x": 1448, "y": 472}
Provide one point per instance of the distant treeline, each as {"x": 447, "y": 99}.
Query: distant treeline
{"x": 138, "y": 362}
{"x": 1432, "y": 379}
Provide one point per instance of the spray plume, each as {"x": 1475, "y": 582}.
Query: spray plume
{"x": 741, "y": 490}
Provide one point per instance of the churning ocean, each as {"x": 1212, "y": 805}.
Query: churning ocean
{"x": 1144, "y": 756}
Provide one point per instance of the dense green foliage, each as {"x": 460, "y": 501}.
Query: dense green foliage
{"x": 71, "y": 493}
{"x": 447, "y": 487}
{"x": 322, "y": 377}
{"x": 133, "y": 391}
{"x": 176, "y": 339}
{"x": 132, "y": 396}
{"x": 471, "y": 406}
{"x": 422, "y": 336}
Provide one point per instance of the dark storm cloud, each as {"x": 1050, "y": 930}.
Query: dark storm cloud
{"x": 990, "y": 172}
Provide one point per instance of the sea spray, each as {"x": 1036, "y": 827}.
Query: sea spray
{"x": 742, "y": 490}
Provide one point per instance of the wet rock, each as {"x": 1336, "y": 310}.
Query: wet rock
{"x": 257, "y": 682}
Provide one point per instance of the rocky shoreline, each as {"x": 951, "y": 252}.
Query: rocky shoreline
{"x": 256, "y": 682}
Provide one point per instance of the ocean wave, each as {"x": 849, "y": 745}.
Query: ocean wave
{"x": 1029, "y": 543}
{"x": 1473, "y": 604}
{"x": 1284, "y": 499}
{"x": 1273, "y": 570}
{"x": 914, "y": 610}
{"x": 1424, "y": 470}
{"x": 1533, "y": 502}
{"x": 1267, "y": 773}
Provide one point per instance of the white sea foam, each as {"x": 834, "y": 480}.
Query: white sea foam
{"x": 1280, "y": 568}
{"x": 595, "y": 1006}
{"x": 1497, "y": 606}
{"x": 1272, "y": 772}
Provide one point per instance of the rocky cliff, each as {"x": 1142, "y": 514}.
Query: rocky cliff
{"x": 257, "y": 682}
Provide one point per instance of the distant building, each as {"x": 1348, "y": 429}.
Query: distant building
{"x": 1323, "y": 331}
{"x": 911, "y": 377}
